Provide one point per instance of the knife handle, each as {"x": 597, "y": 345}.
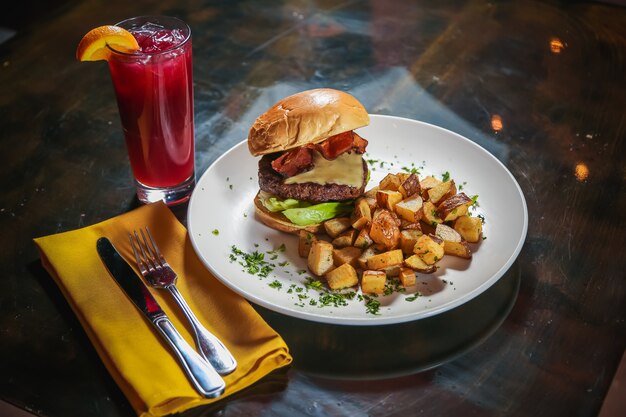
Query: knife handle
{"x": 204, "y": 378}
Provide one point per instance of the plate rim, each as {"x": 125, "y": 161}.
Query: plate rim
{"x": 374, "y": 320}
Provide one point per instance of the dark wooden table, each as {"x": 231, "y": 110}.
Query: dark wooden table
{"x": 541, "y": 85}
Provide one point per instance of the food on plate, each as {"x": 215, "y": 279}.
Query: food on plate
{"x": 344, "y": 276}
{"x": 320, "y": 259}
{"x": 400, "y": 227}
{"x": 373, "y": 282}
{"x": 470, "y": 228}
{"x": 311, "y": 167}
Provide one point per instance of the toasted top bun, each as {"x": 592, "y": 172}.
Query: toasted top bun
{"x": 307, "y": 117}
{"x": 279, "y": 222}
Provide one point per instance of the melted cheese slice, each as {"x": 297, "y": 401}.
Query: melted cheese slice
{"x": 346, "y": 169}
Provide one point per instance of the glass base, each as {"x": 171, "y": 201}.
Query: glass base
{"x": 176, "y": 194}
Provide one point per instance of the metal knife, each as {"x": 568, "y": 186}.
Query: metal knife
{"x": 203, "y": 377}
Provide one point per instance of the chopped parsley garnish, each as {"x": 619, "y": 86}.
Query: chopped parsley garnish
{"x": 254, "y": 263}
{"x": 372, "y": 305}
{"x": 411, "y": 170}
{"x": 413, "y": 297}
{"x": 335, "y": 299}
{"x": 475, "y": 200}
{"x": 215, "y": 232}
{"x": 313, "y": 284}
{"x": 445, "y": 176}
{"x": 276, "y": 284}
{"x": 393, "y": 285}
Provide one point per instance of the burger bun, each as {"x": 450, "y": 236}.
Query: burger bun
{"x": 307, "y": 117}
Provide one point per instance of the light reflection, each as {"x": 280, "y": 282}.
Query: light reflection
{"x": 556, "y": 46}
{"x": 496, "y": 123}
{"x": 581, "y": 171}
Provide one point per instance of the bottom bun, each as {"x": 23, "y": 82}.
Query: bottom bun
{"x": 278, "y": 221}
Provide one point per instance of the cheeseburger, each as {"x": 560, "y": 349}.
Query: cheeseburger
{"x": 311, "y": 167}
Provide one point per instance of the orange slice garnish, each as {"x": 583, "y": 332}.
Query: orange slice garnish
{"x": 93, "y": 46}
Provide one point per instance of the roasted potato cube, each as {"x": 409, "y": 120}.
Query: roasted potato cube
{"x": 390, "y": 182}
{"x": 407, "y": 277}
{"x": 363, "y": 239}
{"x": 384, "y": 229}
{"x": 453, "y": 243}
{"x": 410, "y": 186}
{"x": 347, "y": 255}
{"x": 403, "y": 176}
{"x": 408, "y": 239}
{"x": 470, "y": 228}
{"x": 365, "y": 255}
{"x": 454, "y": 206}
{"x": 406, "y": 225}
{"x": 338, "y": 225}
{"x": 387, "y": 199}
{"x": 445, "y": 232}
{"x": 371, "y": 193}
{"x": 396, "y": 218}
{"x": 373, "y": 282}
{"x": 429, "y": 248}
{"x": 362, "y": 215}
{"x": 427, "y": 183}
{"x": 439, "y": 191}
{"x": 320, "y": 259}
{"x": 371, "y": 201}
{"x": 345, "y": 239}
{"x": 392, "y": 271}
{"x": 431, "y": 216}
{"x": 417, "y": 264}
{"x": 410, "y": 209}
{"x": 460, "y": 249}
{"x": 385, "y": 259}
{"x": 305, "y": 240}
{"x": 342, "y": 277}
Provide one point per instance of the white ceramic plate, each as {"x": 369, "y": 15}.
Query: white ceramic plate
{"x": 221, "y": 216}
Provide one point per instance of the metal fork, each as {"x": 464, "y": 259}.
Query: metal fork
{"x": 159, "y": 274}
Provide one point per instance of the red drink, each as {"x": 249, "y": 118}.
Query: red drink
{"x": 155, "y": 98}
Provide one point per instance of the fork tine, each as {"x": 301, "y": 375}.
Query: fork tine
{"x": 148, "y": 247}
{"x": 137, "y": 259}
{"x": 155, "y": 247}
{"x": 146, "y": 256}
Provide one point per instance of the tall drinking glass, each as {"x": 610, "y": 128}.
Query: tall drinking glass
{"x": 154, "y": 91}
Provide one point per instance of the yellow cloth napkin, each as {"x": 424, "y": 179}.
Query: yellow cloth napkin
{"x": 135, "y": 355}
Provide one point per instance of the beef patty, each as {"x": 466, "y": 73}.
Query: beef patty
{"x": 272, "y": 182}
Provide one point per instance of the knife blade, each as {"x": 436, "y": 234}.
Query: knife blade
{"x": 203, "y": 377}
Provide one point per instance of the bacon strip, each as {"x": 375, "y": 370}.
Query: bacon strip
{"x": 359, "y": 144}
{"x": 293, "y": 162}
{"x": 300, "y": 159}
{"x": 334, "y": 146}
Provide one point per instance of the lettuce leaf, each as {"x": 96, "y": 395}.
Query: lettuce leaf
{"x": 303, "y": 213}
{"x": 274, "y": 204}
{"x": 317, "y": 213}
